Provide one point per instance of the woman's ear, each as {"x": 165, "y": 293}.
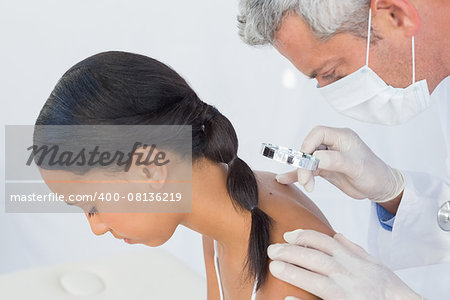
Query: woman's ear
{"x": 397, "y": 15}
{"x": 149, "y": 165}
{"x": 156, "y": 175}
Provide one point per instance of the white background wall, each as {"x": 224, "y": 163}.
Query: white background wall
{"x": 263, "y": 95}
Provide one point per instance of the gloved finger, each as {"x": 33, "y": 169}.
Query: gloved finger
{"x": 310, "y": 259}
{"x": 354, "y": 248}
{"x": 309, "y": 186}
{"x": 287, "y": 178}
{"x": 306, "y": 178}
{"x": 316, "y": 284}
{"x": 320, "y": 136}
{"x": 322, "y": 147}
{"x": 313, "y": 239}
{"x": 336, "y": 161}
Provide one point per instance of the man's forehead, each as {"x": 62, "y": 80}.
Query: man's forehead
{"x": 293, "y": 27}
{"x": 295, "y": 40}
{"x": 313, "y": 56}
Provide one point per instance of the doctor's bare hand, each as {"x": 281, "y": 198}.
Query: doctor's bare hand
{"x": 348, "y": 163}
{"x": 334, "y": 268}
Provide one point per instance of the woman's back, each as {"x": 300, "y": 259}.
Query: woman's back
{"x": 290, "y": 209}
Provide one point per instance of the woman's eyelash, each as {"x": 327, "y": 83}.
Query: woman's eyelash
{"x": 92, "y": 212}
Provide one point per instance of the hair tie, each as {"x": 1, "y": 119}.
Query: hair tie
{"x": 232, "y": 161}
{"x": 206, "y": 113}
{"x": 253, "y": 208}
{"x": 209, "y": 118}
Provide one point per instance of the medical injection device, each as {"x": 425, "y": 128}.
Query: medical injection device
{"x": 289, "y": 156}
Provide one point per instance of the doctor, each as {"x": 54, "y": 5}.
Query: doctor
{"x": 376, "y": 61}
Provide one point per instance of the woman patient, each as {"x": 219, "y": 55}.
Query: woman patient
{"x": 239, "y": 212}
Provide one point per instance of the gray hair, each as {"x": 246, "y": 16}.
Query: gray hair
{"x": 258, "y": 20}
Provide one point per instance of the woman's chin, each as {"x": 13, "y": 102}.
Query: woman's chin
{"x": 129, "y": 241}
{"x": 154, "y": 243}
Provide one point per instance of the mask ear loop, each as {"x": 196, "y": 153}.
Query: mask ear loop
{"x": 412, "y": 47}
{"x": 368, "y": 36}
{"x": 413, "y": 61}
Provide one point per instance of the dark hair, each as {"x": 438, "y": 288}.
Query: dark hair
{"x": 119, "y": 88}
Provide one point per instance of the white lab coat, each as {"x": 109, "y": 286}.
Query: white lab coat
{"x": 417, "y": 249}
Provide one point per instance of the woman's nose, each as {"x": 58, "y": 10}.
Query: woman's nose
{"x": 97, "y": 226}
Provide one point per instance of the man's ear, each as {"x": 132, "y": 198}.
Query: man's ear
{"x": 399, "y": 14}
{"x": 147, "y": 167}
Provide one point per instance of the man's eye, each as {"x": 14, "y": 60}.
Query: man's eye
{"x": 92, "y": 212}
{"x": 329, "y": 76}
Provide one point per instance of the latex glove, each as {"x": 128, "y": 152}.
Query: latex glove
{"x": 334, "y": 268}
{"x": 348, "y": 163}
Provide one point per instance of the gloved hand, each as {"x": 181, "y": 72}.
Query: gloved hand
{"x": 347, "y": 162}
{"x": 334, "y": 268}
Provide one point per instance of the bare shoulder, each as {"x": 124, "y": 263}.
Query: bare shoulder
{"x": 272, "y": 191}
{"x": 290, "y": 209}
{"x": 268, "y": 184}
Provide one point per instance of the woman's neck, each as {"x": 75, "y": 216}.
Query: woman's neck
{"x": 213, "y": 213}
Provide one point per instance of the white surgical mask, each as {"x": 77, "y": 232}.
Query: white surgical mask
{"x": 364, "y": 96}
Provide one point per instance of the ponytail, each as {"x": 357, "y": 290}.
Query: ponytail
{"x": 140, "y": 90}
{"x": 222, "y": 145}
